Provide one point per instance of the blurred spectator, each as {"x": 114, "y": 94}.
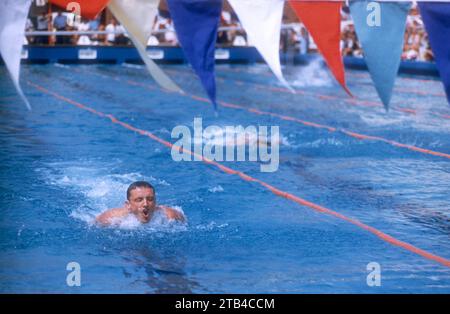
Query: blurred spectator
{"x": 42, "y": 25}
{"x": 295, "y": 38}
{"x": 349, "y": 43}
{"x": 94, "y": 24}
{"x": 170, "y": 36}
{"x": 29, "y": 27}
{"x": 239, "y": 36}
{"x": 122, "y": 36}
{"x": 60, "y": 24}
{"x": 300, "y": 39}
{"x": 416, "y": 44}
{"x": 84, "y": 26}
{"x": 111, "y": 35}
{"x": 410, "y": 52}
{"x": 165, "y": 31}
{"x": 345, "y": 13}
{"x": 100, "y": 38}
{"x": 236, "y": 36}
{"x": 284, "y": 40}
{"x": 224, "y": 36}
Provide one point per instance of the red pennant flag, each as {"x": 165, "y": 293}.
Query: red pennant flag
{"x": 323, "y": 21}
{"x": 88, "y": 8}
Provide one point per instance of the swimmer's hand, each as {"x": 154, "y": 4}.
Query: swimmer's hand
{"x": 173, "y": 214}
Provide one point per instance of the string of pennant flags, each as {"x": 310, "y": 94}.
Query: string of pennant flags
{"x": 379, "y": 25}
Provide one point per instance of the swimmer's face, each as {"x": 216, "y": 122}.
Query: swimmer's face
{"x": 142, "y": 203}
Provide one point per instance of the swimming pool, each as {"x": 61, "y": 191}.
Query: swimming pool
{"x": 63, "y": 162}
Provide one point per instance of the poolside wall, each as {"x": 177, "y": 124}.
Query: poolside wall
{"x": 168, "y": 54}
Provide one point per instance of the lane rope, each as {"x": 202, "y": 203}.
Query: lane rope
{"x": 356, "y": 135}
{"x": 349, "y": 101}
{"x": 383, "y": 236}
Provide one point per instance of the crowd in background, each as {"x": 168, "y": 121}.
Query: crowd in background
{"x": 294, "y": 36}
{"x": 416, "y": 45}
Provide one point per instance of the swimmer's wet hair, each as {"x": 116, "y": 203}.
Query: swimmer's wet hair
{"x": 139, "y": 184}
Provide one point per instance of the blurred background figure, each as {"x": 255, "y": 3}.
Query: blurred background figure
{"x": 42, "y": 22}
{"x": 111, "y": 28}
{"x": 60, "y": 24}
{"x": 84, "y": 26}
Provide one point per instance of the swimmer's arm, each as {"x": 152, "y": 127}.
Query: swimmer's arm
{"x": 174, "y": 214}
{"x": 106, "y": 217}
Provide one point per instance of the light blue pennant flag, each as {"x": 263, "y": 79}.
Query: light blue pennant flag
{"x": 380, "y": 27}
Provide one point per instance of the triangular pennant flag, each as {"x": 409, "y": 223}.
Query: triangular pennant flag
{"x": 87, "y": 8}
{"x": 380, "y": 27}
{"x": 13, "y": 16}
{"x": 137, "y": 16}
{"x": 262, "y": 23}
{"x": 436, "y": 17}
{"x": 196, "y": 23}
{"x": 323, "y": 20}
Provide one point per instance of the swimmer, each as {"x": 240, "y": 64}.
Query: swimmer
{"x": 252, "y": 140}
{"x": 141, "y": 202}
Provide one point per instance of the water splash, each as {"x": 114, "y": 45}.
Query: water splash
{"x": 216, "y": 189}
{"x": 314, "y": 74}
{"x": 100, "y": 190}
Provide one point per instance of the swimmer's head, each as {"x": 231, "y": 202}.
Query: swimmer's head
{"x": 141, "y": 200}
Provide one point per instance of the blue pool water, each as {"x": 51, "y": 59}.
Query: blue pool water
{"x": 61, "y": 165}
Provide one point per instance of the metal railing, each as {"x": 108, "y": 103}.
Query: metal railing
{"x": 81, "y": 33}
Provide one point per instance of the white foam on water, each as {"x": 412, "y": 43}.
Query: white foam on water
{"x": 322, "y": 142}
{"x": 158, "y": 223}
{"x": 85, "y": 214}
{"x": 420, "y": 121}
{"x": 163, "y": 131}
{"x": 218, "y": 137}
{"x": 313, "y": 74}
{"x": 132, "y": 66}
{"x": 211, "y": 226}
{"x": 60, "y": 65}
{"x": 216, "y": 189}
{"x": 128, "y": 223}
{"x": 158, "y": 181}
{"x": 373, "y": 119}
{"x": 284, "y": 141}
{"x": 101, "y": 190}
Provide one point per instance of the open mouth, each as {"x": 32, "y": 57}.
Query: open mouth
{"x": 145, "y": 213}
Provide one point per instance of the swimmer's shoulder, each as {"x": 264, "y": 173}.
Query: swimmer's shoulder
{"x": 113, "y": 213}
{"x": 172, "y": 213}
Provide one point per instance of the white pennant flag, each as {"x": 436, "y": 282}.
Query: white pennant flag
{"x": 13, "y": 17}
{"x": 137, "y": 16}
{"x": 262, "y": 23}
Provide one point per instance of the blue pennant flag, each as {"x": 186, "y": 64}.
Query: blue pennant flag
{"x": 196, "y": 23}
{"x": 380, "y": 27}
{"x": 436, "y": 17}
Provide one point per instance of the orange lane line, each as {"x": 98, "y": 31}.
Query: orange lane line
{"x": 383, "y": 236}
{"x": 351, "y": 101}
{"x": 293, "y": 119}
{"x": 317, "y": 125}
